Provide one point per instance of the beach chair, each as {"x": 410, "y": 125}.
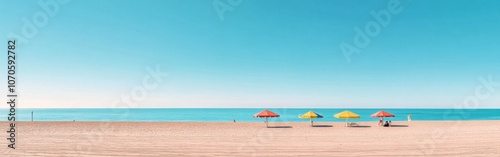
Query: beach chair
{"x": 352, "y": 124}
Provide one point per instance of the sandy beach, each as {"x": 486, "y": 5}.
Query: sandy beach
{"x": 454, "y": 138}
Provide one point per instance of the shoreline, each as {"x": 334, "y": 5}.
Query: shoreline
{"x": 261, "y": 122}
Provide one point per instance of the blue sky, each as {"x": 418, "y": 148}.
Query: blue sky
{"x": 263, "y": 54}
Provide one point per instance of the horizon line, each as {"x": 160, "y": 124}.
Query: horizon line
{"x": 252, "y": 108}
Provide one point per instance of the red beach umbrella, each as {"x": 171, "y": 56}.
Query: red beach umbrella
{"x": 381, "y": 114}
{"x": 266, "y": 114}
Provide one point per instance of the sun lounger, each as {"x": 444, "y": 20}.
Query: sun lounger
{"x": 352, "y": 124}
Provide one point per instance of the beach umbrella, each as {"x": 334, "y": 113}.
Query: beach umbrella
{"x": 381, "y": 114}
{"x": 266, "y": 114}
{"x": 346, "y": 115}
{"x": 310, "y": 115}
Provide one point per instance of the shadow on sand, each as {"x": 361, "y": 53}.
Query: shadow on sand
{"x": 322, "y": 126}
{"x": 399, "y": 125}
{"x": 279, "y": 127}
{"x": 360, "y": 126}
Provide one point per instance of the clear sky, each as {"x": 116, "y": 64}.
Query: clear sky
{"x": 264, "y": 53}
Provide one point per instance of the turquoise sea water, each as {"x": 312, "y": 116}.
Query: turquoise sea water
{"x": 240, "y": 114}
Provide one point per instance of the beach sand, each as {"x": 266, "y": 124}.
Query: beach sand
{"x": 466, "y": 138}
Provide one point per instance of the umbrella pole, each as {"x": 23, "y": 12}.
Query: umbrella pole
{"x": 267, "y": 125}
{"x": 310, "y": 119}
{"x": 346, "y": 122}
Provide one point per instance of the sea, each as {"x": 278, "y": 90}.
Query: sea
{"x": 240, "y": 114}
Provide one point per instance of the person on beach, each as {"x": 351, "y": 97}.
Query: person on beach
{"x": 380, "y": 122}
{"x": 386, "y": 124}
{"x": 409, "y": 117}
{"x": 390, "y": 123}
{"x": 234, "y": 120}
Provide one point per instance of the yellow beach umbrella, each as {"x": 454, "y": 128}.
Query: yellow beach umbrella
{"x": 346, "y": 115}
{"x": 310, "y": 115}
